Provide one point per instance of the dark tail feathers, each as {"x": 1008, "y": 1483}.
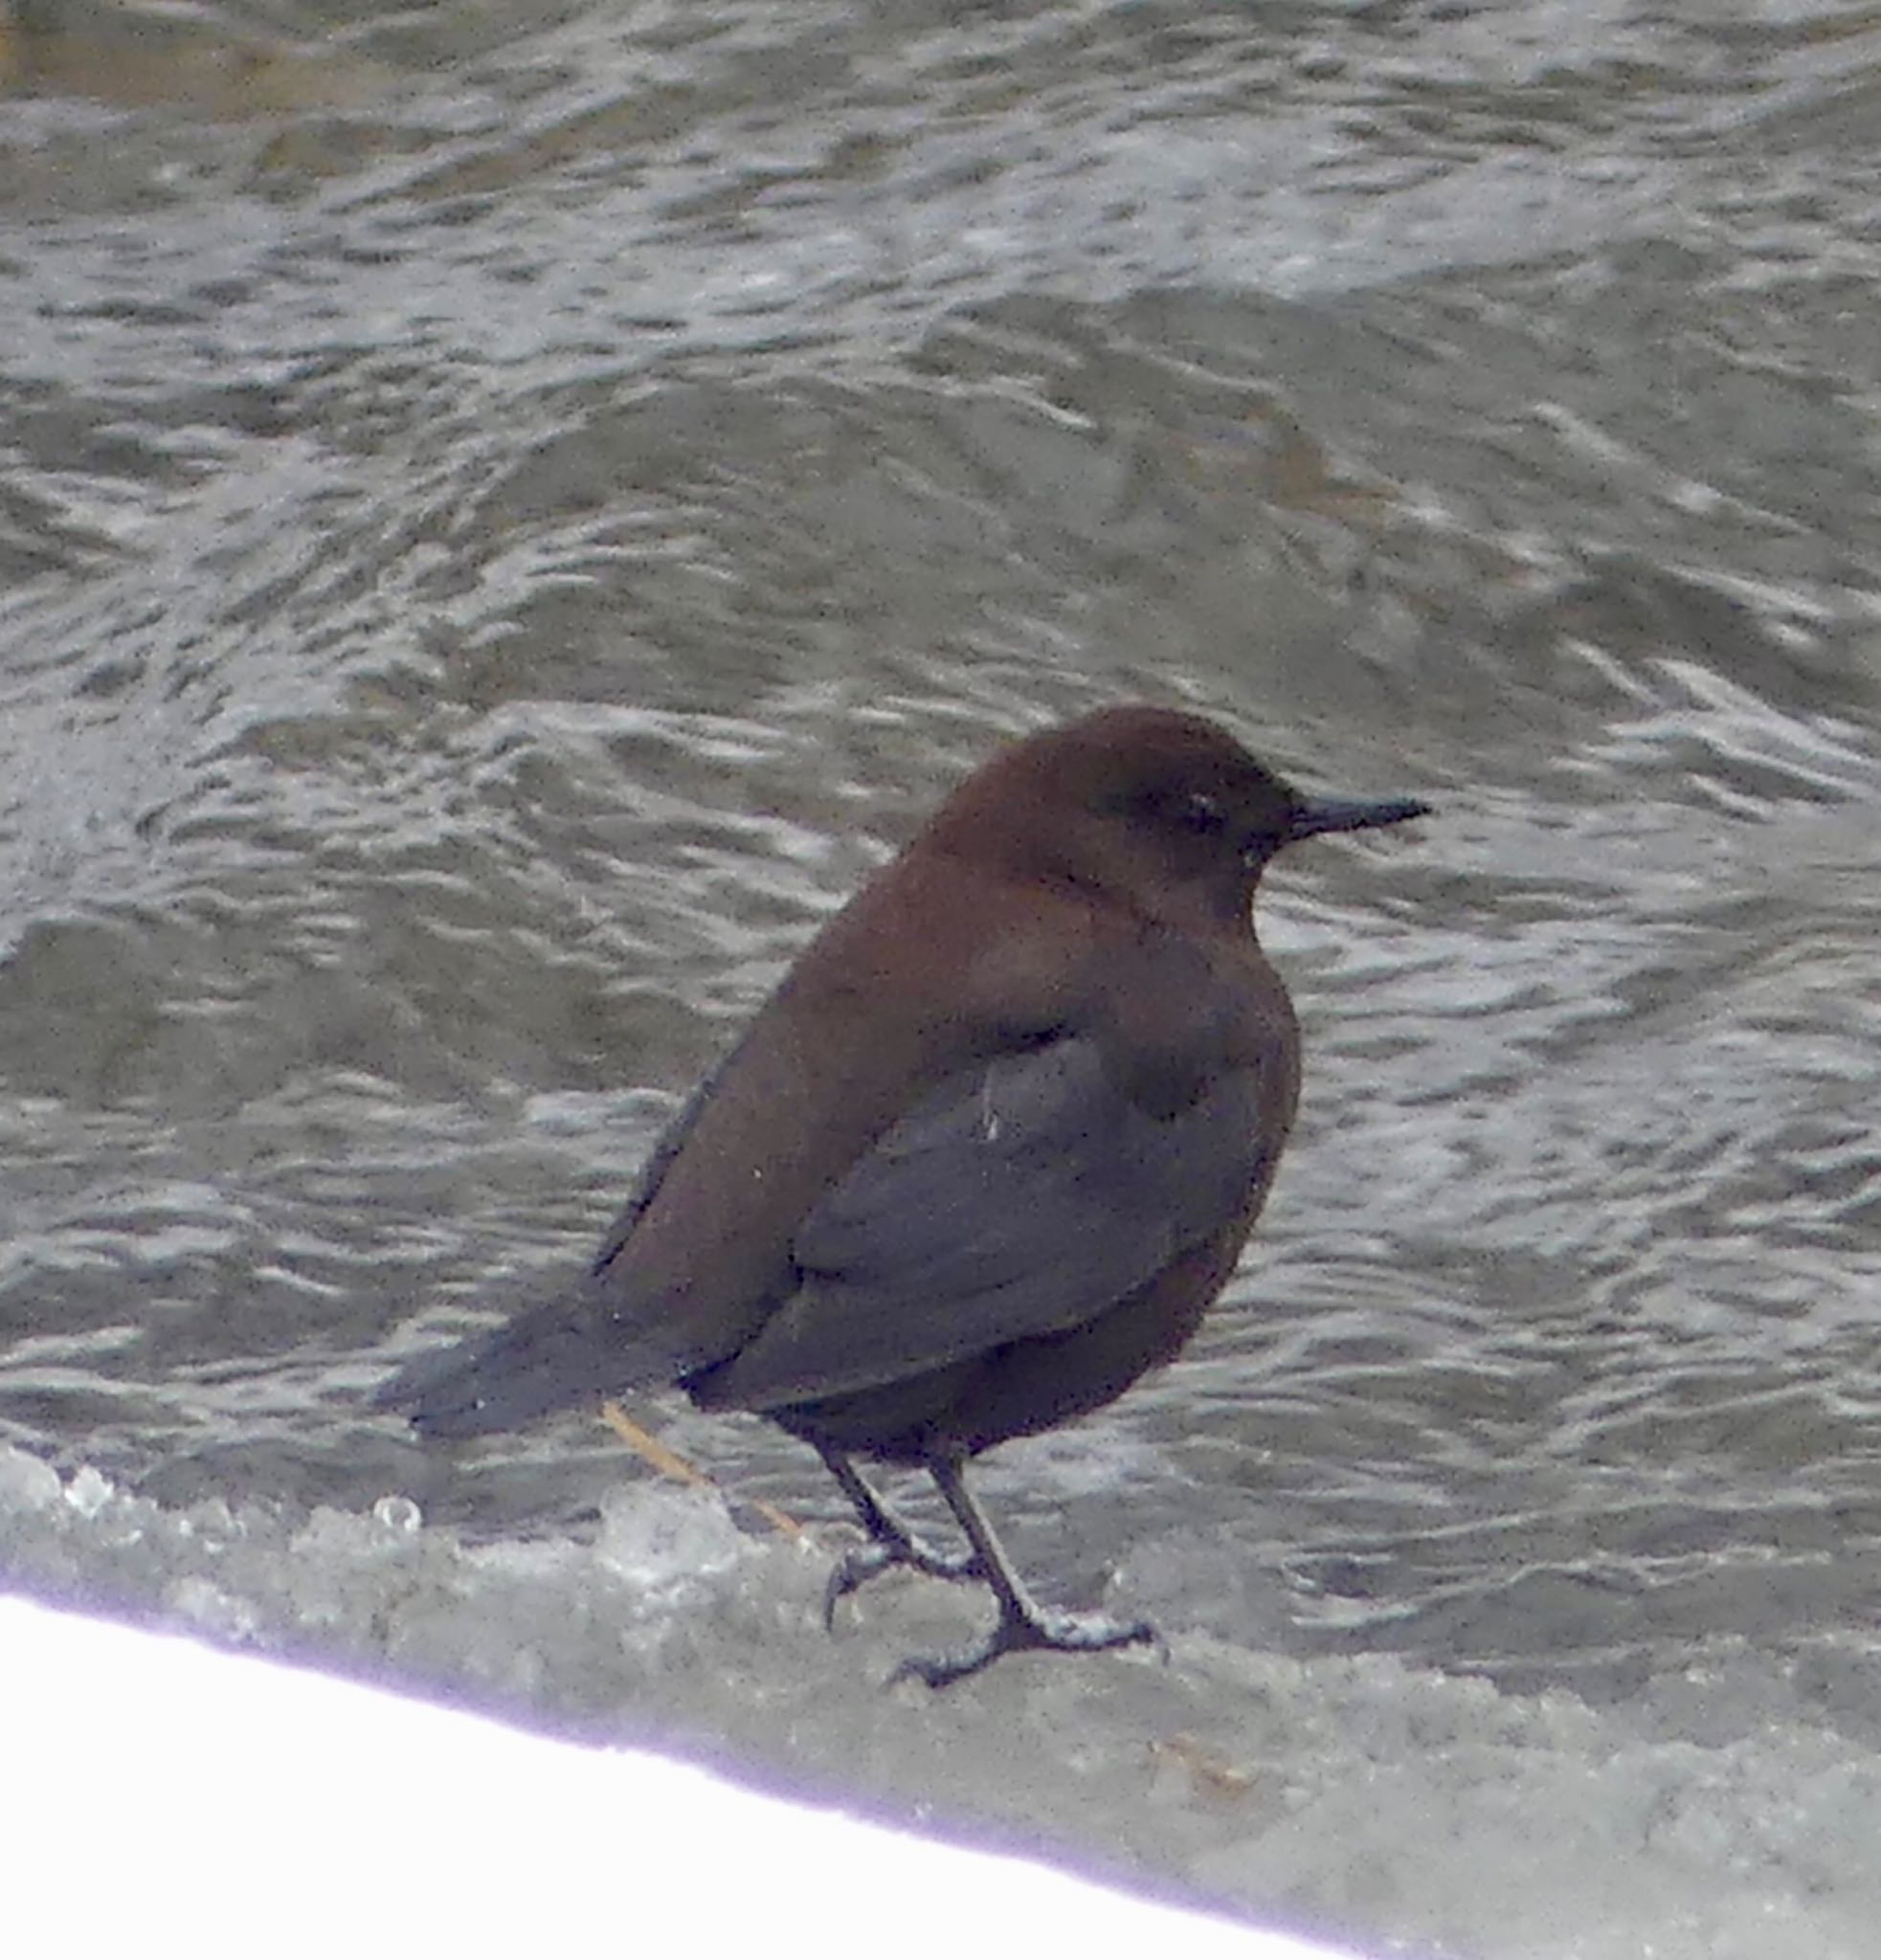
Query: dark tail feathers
{"x": 551, "y": 1356}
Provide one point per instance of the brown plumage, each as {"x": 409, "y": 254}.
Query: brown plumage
{"x": 987, "y": 1154}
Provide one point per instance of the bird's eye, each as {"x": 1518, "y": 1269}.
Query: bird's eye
{"x": 1201, "y": 813}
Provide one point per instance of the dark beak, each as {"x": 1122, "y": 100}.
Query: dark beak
{"x": 1314, "y": 818}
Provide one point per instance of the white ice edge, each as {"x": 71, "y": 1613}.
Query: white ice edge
{"x": 164, "y": 1790}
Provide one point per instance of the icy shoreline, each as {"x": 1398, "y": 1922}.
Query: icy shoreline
{"x": 1363, "y": 1797}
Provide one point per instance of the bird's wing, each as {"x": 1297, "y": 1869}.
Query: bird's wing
{"x": 1022, "y": 1198}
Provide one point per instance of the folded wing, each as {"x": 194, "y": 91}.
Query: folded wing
{"x": 1022, "y": 1198}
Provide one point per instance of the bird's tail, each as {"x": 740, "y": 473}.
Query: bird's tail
{"x": 551, "y": 1356}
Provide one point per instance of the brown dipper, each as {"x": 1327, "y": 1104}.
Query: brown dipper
{"x": 986, "y": 1155}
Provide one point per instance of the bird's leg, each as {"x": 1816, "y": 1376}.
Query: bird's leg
{"x": 890, "y": 1542}
{"x": 1024, "y": 1624}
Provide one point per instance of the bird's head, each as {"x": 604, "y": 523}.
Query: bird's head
{"x": 1162, "y": 809}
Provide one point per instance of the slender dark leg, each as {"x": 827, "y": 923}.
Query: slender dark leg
{"x": 890, "y": 1542}
{"x": 1024, "y": 1624}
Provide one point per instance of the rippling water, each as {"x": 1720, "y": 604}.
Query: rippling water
{"x": 505, "y": 518}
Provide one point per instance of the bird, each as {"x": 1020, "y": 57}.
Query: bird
{"x": 985, "y": 1156}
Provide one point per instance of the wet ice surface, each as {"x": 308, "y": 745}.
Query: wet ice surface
{"x": 1710, "y": 1817}
{"x": 285, "y": 1770}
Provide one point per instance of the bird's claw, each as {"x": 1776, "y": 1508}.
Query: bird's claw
{"x": 865, "y": 1562}
{"x": 1054, "y": 1632}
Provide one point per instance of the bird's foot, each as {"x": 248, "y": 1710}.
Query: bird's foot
{"x": 1056, "y": 1633}
{"x": 879, "y": 1555}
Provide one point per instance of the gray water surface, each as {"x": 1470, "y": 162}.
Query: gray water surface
{"x": 505, "y": 518}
